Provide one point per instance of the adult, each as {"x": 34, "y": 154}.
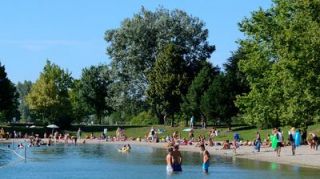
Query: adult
{"x": 191, "y": 121}
{"x": 314, "y": 141}
{"x": 176, "y": 159}
{"x": 292, "y": 135}
{"x": 79, "y": 133}
{"x": 236, "y": 139}
{"x": 279, "y": 137}
{"x": 203, "y": 122}
{"x": 257, "y": 142}
{"x": 152, "y": 134}
{"x": 205, "y": 159}
{"x": 298, "y": 138}
{"x": 169, "y": 160}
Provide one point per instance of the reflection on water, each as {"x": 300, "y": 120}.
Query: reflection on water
{"x": 274, "y": 166}
{"x": 104, "y": 161}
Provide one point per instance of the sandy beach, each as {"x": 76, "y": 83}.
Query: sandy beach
{"x": 304, "y": 155}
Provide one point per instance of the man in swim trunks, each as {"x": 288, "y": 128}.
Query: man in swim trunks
{"x": 169, "y": 160}
{"x": 176, "y": 159}
{"x": 205, "y": 159}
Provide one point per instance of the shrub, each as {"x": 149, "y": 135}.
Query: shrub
{"x": 144, "y": 118}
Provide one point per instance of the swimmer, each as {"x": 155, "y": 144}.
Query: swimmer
{"x": 169, "y": 160}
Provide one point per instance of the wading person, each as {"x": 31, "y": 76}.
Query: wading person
{"x": 205, "y": 159}
{"x": 169, "y": 160}
{"x": 176, "y": 159}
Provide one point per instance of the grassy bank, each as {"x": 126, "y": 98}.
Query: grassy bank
{"x": 224, "y": 133}
{"x": 246, "y": 133}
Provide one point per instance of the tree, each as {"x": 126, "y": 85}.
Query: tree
{"x": 23, "y": 90}
{"x": 191, "y": 102}
{"x": 8, "y": 97}
{"x": 134, "y": 47}
{"x": 95, "y": 89}
{"x": 80, "y": 108}
{"x": 49, "y": 96}
{"x": 167, "y": 83}
{"x": 282, "y": 64}
{"x": 235, "y": 83}
{"x": 215, "y": 102}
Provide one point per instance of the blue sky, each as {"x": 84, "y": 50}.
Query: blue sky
{"x": 71, "y": 32}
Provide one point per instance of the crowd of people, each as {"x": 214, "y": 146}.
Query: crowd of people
{"x": 275, "y": 140}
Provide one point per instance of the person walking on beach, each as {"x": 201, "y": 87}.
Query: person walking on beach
{"x": 176, "y": 159}
{"x": 280, "y": 140}
{"x": 236, "y": 139}
{"x": 257, "y": 142}
{"x": 205, "y": 159}
{"x": 292, "y": 140}
{"x": 169, "y": 160}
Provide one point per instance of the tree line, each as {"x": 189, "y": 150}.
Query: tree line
{"x": 160, "y": 73}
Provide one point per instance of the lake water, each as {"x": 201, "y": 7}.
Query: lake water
{"x": 104, "y": 161}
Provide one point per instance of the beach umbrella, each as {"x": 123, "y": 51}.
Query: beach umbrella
{"x": 52, "y": 126}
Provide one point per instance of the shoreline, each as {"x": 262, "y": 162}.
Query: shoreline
{"x": 305, "y": 157}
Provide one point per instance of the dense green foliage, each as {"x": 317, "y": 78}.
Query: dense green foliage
{"x": 95, "y": 90}
{"x": 135, "y": 45}
{"x": 23, "y": 90}
{"x": 282, "y": 62}
{"x": 200, "y": 84}
{"x": 80, "y": 108}
{"x": 8, "y": 97}
{"x": 168, "y": 82}
{"x": 49, "y": 96}
{"x": 160, "y": 72}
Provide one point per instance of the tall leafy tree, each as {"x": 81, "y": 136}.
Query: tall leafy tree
{"x": 95, "y": 89}
{"x": 23, "y": 89}
{"x": 8, "y": 97}
{"x": 168, "y": 82}
{"x": 191, "y": 102}
{"x": 49, "y": 96}
{"x": 214, "y": 102}
{"x": 135, "y": 45}
{"x": 218, "y": 102}
{"x": 282, "y": 65}
{"x": 80, "y": 109}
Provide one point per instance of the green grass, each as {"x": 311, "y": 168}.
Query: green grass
{"x": 224, "y": 133}
{"x": 245, "y": 133}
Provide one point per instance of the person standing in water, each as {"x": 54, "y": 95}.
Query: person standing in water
{"x": 176, "y": 159}
{"x": 169, "y": 160}
{"x": 205, "y": 159}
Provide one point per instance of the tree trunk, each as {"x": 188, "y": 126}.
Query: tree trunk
{"x": 172, "y": 120}
{"x": 159, "y": 115}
